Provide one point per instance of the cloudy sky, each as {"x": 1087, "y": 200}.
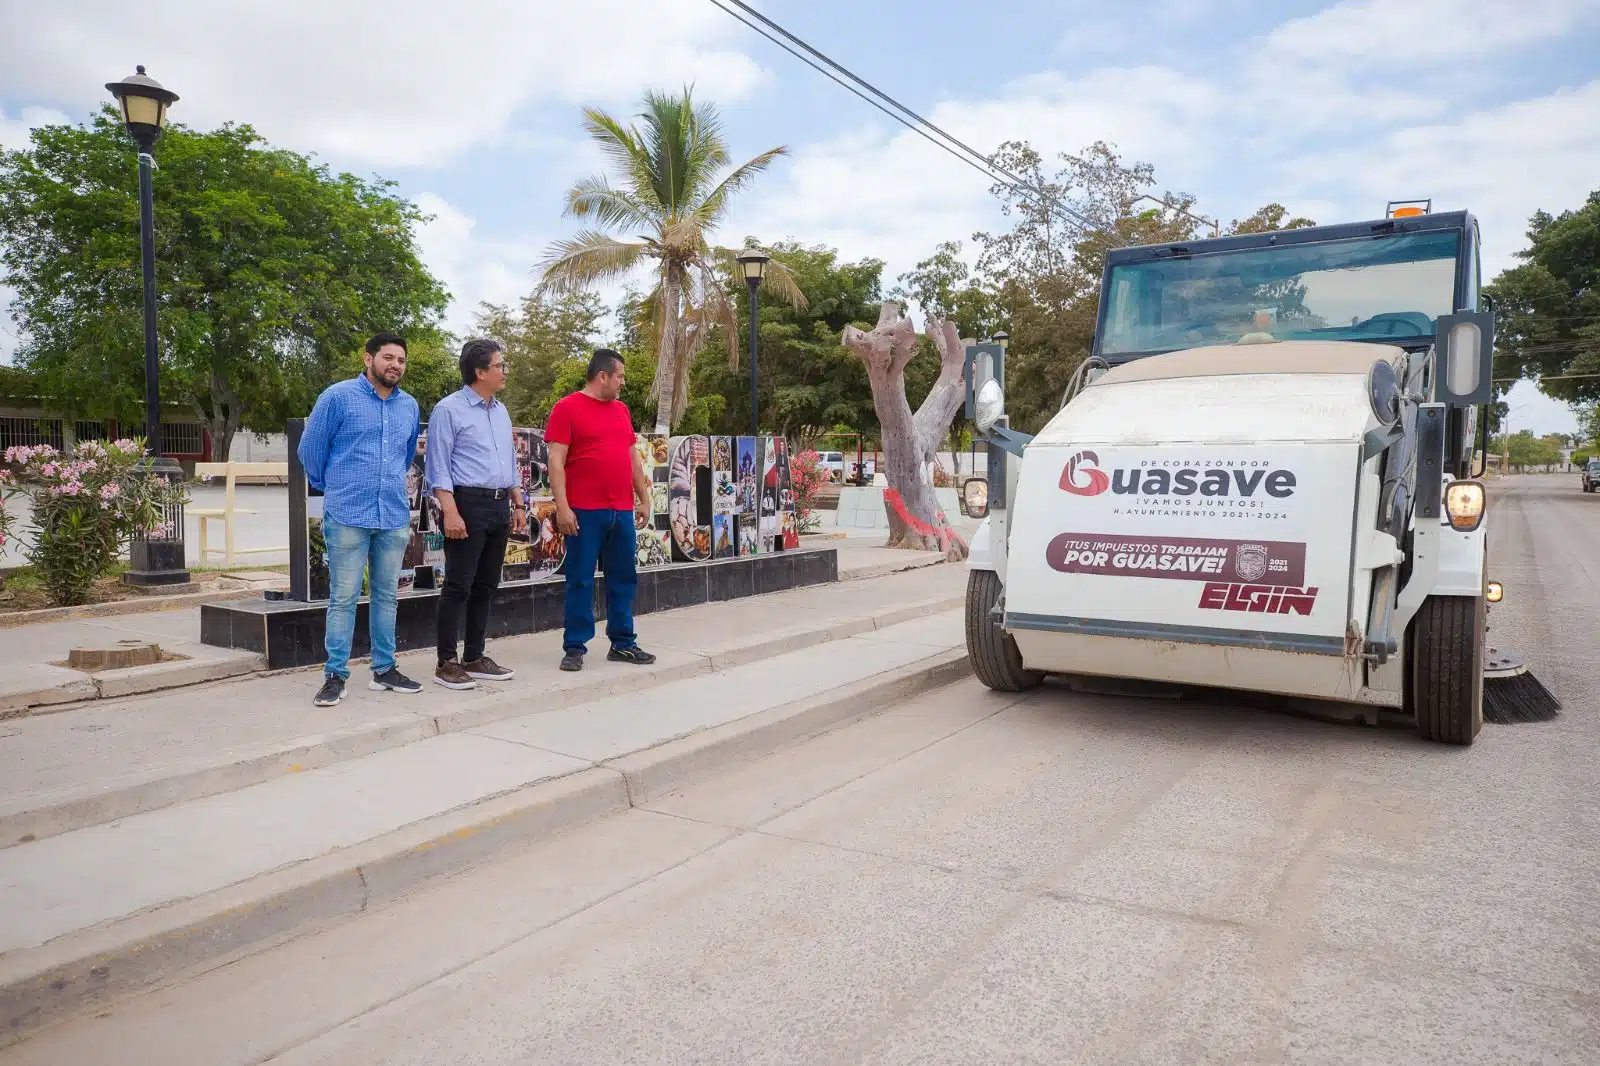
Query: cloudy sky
{"x": 473, "y": 107}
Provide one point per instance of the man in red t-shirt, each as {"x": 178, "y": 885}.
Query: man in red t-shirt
{"x": 596, "y": 474}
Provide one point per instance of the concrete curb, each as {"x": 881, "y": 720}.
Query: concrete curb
{"x": 82, "y": 969}
{"x": 656, "y": 771}
{"x": 94, "y": 806}
{"x": 133, "y": 681}
{"x": 893, "y": 566}
{"x": 88, "y": 968}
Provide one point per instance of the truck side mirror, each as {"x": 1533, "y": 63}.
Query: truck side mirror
{"x": 1463, "y": 348}
{"x": 975, "y": 497}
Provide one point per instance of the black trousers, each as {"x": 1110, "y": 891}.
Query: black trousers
{"x": 472, "y": 573}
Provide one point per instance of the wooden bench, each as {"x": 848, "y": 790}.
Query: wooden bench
{"x": 232, "y": 472}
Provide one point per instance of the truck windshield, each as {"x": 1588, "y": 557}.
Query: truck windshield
{"x": 1389, "y": 288}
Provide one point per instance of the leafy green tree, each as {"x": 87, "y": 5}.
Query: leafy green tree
{"x": 944, "y": 285}
{"x": 673, "y": 191}
{"x": 1049, "y": 268}
{"x": 1268, "y": 219}
{"x": 1046, "y": 269}
{"x": 636, "y": 393}
{"x": 544, "y": 337}
{"x": 1527, "y": 450}
{"x": 433, "y": 367}
{"x": 271, "y": 271}
{"x": 809, "y": 382}
{"x": 1589, "y": 423}
{"x": 1547, "y": 310}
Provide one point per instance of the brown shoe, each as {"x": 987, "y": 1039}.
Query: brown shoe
{"x": 486, "y": 669}
{"x": 451, "y": 675}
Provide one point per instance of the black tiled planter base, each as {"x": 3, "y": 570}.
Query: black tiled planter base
{"x": 290, "y": 633}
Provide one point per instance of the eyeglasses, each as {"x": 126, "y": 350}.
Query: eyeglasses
{"x": 501, "y": 365}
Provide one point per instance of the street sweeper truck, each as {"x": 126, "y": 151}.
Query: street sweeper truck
{"x": 1262, "y": 478}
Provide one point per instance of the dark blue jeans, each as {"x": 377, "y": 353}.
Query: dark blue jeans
{"x": 606, "y": 537}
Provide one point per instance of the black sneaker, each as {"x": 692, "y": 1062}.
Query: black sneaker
{"x": 393, "y": 680}
{"x": 635, "y": 655}
{"x": 331, "y": 692}
{"x": 572, "y": 662}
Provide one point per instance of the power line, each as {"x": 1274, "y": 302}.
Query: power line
{"x": 1552, "y": 377}
{"x": 909, "y": 118}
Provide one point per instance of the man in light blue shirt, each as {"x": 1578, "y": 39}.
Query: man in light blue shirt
{"x": 357, "y": 446}
{"x": 471, "y": 466}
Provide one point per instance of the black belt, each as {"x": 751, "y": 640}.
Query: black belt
{"x": 488, "y": 494}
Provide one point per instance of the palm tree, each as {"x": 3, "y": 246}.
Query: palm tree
{"x": 669, "y": 194}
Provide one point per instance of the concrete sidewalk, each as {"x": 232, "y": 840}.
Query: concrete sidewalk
{"x": 31, "y": 681}
{"x": 33, "y": 674}
{"x": 115, "y": 905}
{"x": 117, "y": 758}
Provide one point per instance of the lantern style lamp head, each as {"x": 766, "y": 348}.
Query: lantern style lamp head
{"x": 1002, "y": 338}
{"x": 754, "y": 263}
{"x": 144, "y": 105}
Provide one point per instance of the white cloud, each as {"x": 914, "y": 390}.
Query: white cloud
{"x": 894, "y": 196}
{"x": 475, "y": 268}
{"x": 1502, "y": 164}
{"x": 15, "y": 132}
{"x": 1421, "y": 32}
{"x": 1300, "y": 115}
{"x": 404, "y": 82}
{"x": 1532, "y": 410}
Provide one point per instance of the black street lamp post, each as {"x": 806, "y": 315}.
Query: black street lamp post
{"x": 754, "y": 261}
{"x": 158, "y": 558}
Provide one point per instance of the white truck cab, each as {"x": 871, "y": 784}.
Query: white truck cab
{"x": 1262, "y": 478}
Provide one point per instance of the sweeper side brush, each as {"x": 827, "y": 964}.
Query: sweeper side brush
{"x": 1511, "y": 694}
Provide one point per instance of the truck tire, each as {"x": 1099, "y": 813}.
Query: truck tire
{"x": 1445, "y": 672}
{"x": 994, "y": 655}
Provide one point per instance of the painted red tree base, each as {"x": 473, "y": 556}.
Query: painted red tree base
{"x": 909, "y": 440}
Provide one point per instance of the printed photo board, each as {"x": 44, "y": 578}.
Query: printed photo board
{"x": 710, "y": 498}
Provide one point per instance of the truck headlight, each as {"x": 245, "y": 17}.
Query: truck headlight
{"x": 989, "y": 406}
{"x": 975, "y": 497}
{"x": 1464, "y": 503}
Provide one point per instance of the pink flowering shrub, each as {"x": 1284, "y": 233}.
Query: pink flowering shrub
{"x": 87, "y": 505}
{"x": 807, "y": 476}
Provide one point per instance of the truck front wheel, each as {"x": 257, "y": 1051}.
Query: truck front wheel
{"x": 995, "y": 658}
{"x": 1444, "y": 679}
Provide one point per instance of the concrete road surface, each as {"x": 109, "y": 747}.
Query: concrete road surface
{"x": 969, "y": 878}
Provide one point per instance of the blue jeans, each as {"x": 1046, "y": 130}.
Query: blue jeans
{"x": 606, "y": 537}
{"x": 351, "y": 551}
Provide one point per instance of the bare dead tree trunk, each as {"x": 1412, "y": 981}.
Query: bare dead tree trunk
{"x": 909, "y": 440}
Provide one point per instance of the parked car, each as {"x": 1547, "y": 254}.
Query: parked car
{"x": 833, "y": 463}
{"x": 1591, "y": 475}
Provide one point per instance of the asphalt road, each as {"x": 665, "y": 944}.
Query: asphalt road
{"x": 974, "y": 879}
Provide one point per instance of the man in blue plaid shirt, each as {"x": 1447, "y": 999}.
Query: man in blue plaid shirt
{"x": 357, "y": 447}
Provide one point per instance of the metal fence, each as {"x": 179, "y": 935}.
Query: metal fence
{"x": 30, "y": 433}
